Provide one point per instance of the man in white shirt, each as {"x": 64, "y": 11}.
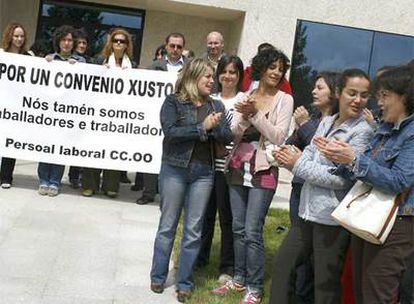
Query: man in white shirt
{"x": 174, "y": 60}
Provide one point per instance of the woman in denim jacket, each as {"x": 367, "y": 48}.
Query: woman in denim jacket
{"x": 192, "y": 122}
{"x": 387, "y": 164}
{"x": 316, "y": 232}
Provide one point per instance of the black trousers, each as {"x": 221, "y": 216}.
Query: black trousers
{"x": 7, "y": 168}
{"x": 219, "y": 200}
{"x": 74, "y": 173}
{"x": 150, "y": 186}
{"x": 328, "y": 245}
{"x": 139, "y": 180}
{"x": 407, "y": 283}
{"x": 304, "y": 272}
{"x": 378, "y": 269}
{"x": 91, "y": 179}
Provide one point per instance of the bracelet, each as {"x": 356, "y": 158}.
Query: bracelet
{"x": 352, "y": 164}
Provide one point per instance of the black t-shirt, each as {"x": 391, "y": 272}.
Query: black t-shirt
{"x": 202, "y": 150}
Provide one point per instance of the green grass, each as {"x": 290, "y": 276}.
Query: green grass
{"x": 206, "y": 278}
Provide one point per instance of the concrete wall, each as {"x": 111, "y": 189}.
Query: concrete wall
{"x": 275, "y": 21}
{"x": 159, "y": 24}
{"x": 22, "y": 11}
{"x": 245, "y": 23}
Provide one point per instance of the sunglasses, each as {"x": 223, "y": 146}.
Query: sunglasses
{"x": 173, "y": 46}
{"x": 119, "y": 41}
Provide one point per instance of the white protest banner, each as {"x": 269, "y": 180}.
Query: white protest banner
{"x": 81, "y": 114}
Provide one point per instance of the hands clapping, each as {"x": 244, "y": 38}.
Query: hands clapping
{"x": 287, "y": 156}
{"x": 212, "y": 120}
{"x": 335, "y": 150}
{"x": 246, "y": 107}
{"x": 301, "y": 115}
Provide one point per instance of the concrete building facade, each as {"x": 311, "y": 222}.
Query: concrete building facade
{"x": 244, "y": 23}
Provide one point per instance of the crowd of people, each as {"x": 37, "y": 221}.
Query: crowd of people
{"x": 226, "y": 133}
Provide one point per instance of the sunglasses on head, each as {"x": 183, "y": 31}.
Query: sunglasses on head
{"x": 119, "y": 41}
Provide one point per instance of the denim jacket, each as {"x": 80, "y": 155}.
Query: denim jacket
{"x": 392, "y": 169}
{"x": 322, "y": 191}
{"x": 57, "y": 56}
{"x": 182, "y": 131}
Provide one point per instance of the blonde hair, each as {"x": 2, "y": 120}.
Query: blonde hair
{"x": 8, "y": 36}
{"x": 186, "y": 85}
{"x": 107, "y": 49}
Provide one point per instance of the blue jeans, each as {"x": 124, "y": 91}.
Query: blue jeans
{"x": 249, "y": 207}
{"x": 187, "y": 188}
{"x": 50, "y": 174}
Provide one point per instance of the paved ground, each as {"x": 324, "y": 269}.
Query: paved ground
{"x": 71, "y": 249}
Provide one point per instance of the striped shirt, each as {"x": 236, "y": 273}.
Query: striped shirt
{"x": 219, "y": 163}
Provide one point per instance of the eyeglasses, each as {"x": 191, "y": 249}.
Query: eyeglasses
{"x": 173, "y": 46}
{"x": 119, "y": 41}
{"x": 382, "y": 94}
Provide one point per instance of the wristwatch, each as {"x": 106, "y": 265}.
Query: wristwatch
{"x": 352, "y": 164}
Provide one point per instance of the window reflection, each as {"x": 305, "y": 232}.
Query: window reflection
{"x": 320, "y": 47}
{"x": 390, "y": 49}
{"x": 332, "y": 47}
{"x": 96, "y": 19}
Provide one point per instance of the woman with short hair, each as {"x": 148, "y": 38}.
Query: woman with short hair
{"x": 50, "y": 175}
{"x": 229, "y": 76}
{"x": 387, "y": 164}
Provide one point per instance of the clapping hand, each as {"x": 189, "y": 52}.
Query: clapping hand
{"x": 287, "y": 156}
{"x": 301, "y": 116}
{"x": 246, "y": 107}
{"x": 212, "y": 120}
{"x": 335, "y": 150}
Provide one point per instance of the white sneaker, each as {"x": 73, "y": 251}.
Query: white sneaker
{"x": 43, "y": 190}
{"x": 6, "y": 185}
{"x": 223, "y": 278}
{"x": 53, "y": 191}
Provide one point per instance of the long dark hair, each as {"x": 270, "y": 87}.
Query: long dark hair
{"x": 332, "y": 80}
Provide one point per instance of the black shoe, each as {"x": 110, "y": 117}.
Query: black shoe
{"x": 183, "y": 296}
{"x": 124, "y": 179}
{"x": 136, "y": 188}
{"x": 143, "y": 201}
{"x": 157, "y": 288}
{"x": 74, "y": 183}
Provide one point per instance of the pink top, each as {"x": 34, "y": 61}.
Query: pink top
{"x": 274, "y": 128}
